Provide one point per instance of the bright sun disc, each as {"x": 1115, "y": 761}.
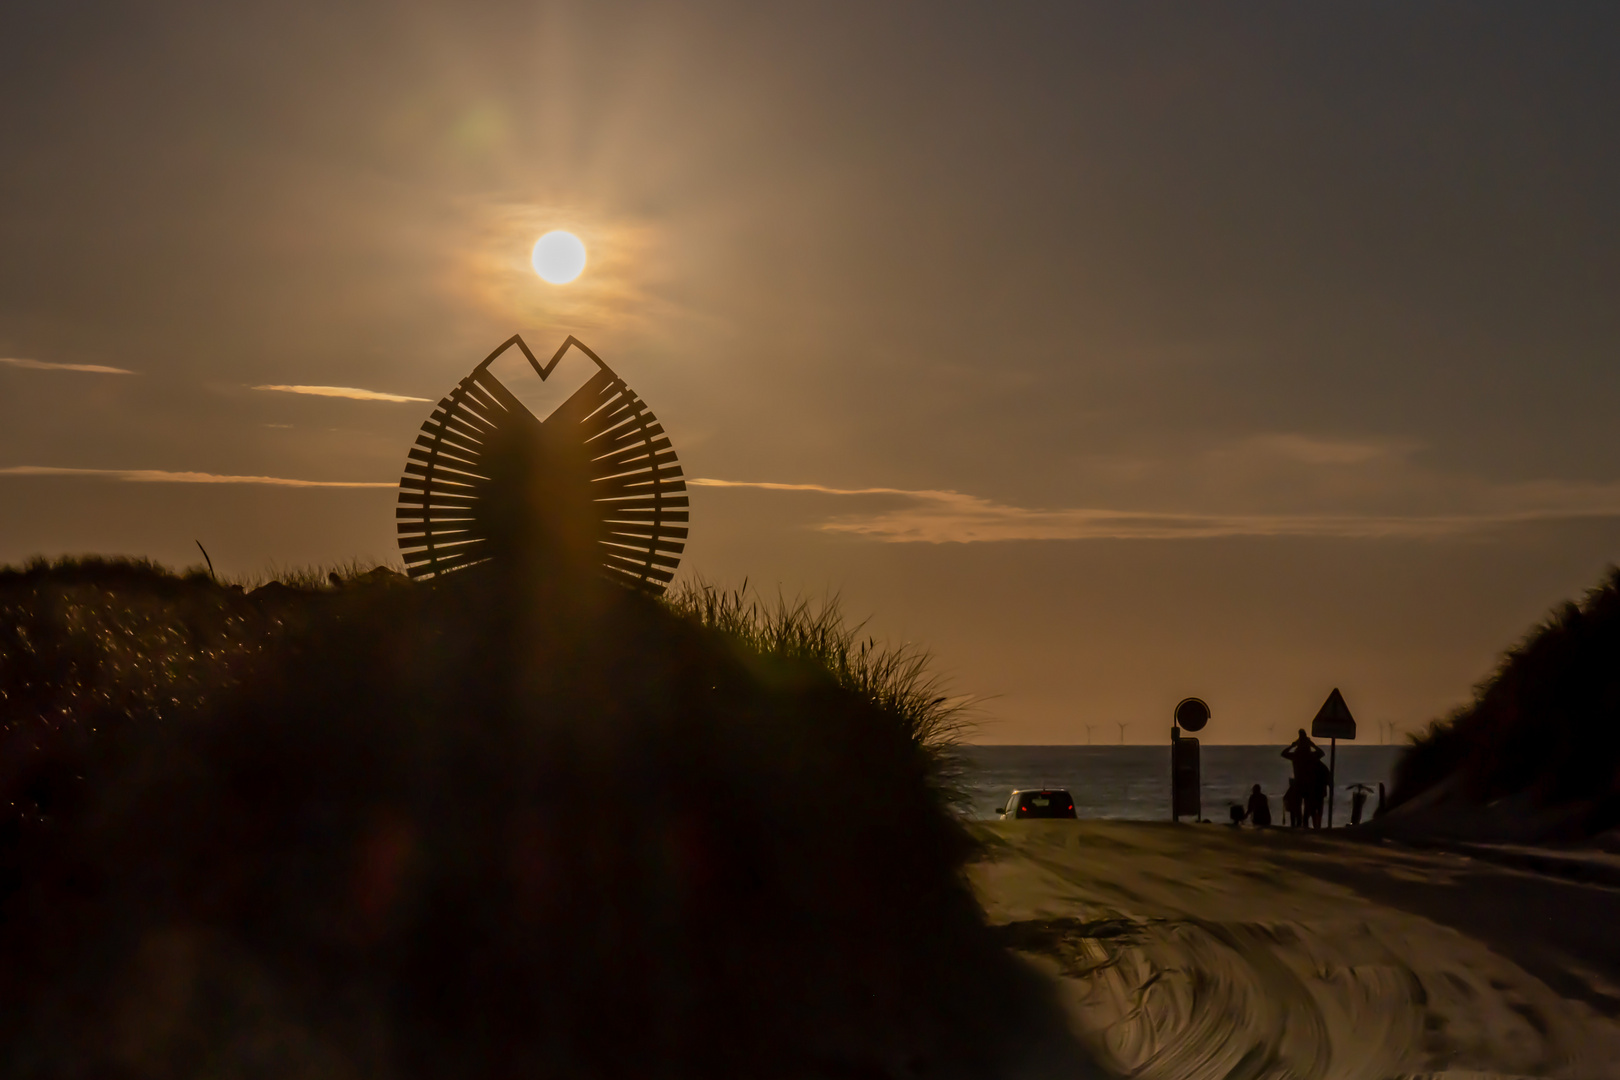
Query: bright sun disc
{"x": 559, "y": 257}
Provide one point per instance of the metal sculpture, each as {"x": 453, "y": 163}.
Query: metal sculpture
{"x": 594, "y": 485}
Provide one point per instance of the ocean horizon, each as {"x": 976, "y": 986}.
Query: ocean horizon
{"x": 1132, "y": 783}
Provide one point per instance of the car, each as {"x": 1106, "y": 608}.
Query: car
{"x": 1044, "y": 803}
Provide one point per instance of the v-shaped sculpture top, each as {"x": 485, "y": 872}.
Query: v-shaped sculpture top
{"x": 593, "y": 485}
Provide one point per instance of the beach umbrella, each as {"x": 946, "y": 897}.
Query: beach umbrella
{"x": 593, "y": 486}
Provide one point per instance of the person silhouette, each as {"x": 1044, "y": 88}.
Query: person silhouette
{"x": 1378, "y": 811}
{"x": 1259, "y": 807}
{"x": 1316, "y": 791}
{"x": 1293, "y": 804}
{"x": 1358, "y": 802}
{"x": 1306, "y": 758}
{"x": 1302, "y": 752}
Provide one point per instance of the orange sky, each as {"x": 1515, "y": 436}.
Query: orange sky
{"x": 1116, "y": 353}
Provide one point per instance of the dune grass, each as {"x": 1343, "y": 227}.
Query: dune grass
{"x": 311, "y": 577}
{"x": 91, "y": 643}
{"x": 1545, "y": 723}
{"x": 134, "y": 606}
{"x": 898, "y": 679}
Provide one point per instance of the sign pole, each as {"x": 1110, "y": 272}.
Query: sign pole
{"x": 1333, "y": 721}
{"x": 1333, "y": 774}
{"x": 1175, "y": 733}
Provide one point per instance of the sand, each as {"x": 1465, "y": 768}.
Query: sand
{"x": 1200, "y": 951}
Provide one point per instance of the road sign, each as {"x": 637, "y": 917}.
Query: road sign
{"x": 1333, "y": 720}
{"x": 1192, "y": 714}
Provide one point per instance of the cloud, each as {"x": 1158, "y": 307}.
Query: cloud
{"x": 46, "y": 365}
{"x": 163, "y": 476}
{"x": 342, "y": 392}
{"x": 822, "y": 488}
{"x": 1310, "y": 450}
{"x": 946, "y": 517}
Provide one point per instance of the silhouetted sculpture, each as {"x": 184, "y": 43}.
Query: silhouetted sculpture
{"x": 593, "y": 486}
{"x": 1378, "y": 811}
{"x": 1259, "y": 807}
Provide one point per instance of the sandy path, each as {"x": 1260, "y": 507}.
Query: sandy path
{"x": 1199, "y": 952}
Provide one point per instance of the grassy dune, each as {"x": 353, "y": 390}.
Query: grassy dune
{"x": 482, "y": 827}
{"x": 899, "y": 680}
{"x": 1536, "y": 754}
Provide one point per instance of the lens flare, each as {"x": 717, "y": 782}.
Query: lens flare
{"x": 559, "y": 257}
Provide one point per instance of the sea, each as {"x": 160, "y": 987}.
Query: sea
{"x": 1132, "y": 783}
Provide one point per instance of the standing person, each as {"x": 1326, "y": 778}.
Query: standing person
{"x": 1293, "y": 805}
{"x": 1378, "y": 811}
{"x": 1303, "y": 753}
{"x": 1259, "y": 807}
{"x": 1306, "y": 757}
{"x": 1316, "y": 791}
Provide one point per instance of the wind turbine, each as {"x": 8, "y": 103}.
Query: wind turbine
{"x": 1089, "y": 729}
{"x": 1122, "y": 728}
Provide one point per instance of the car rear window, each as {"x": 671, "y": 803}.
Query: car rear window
{"x": 1039, "y": 804}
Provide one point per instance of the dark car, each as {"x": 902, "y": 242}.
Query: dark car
{"x": 1045, "y": 803}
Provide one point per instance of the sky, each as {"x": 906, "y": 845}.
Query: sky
{"x": 1114, "y": 353}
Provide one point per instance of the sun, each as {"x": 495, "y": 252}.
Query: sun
{"x": 559, "y": 257}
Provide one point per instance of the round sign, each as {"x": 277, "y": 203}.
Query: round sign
{"x": 1192, "y": 713}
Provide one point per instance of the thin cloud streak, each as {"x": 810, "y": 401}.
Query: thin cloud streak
{"x": 164, "y": 476}
{"x": 1309, "y": 450}
{"x": 950, "y": 517}
{"x": 821, "y": 488}
{"x": 351, "y": 392}
{"x": 46, "y": 365}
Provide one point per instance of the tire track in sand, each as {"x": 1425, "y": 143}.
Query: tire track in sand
{"x": 1177, "y": 966}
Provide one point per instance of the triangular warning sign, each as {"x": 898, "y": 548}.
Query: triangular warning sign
{"x": 1333, "y": 720}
